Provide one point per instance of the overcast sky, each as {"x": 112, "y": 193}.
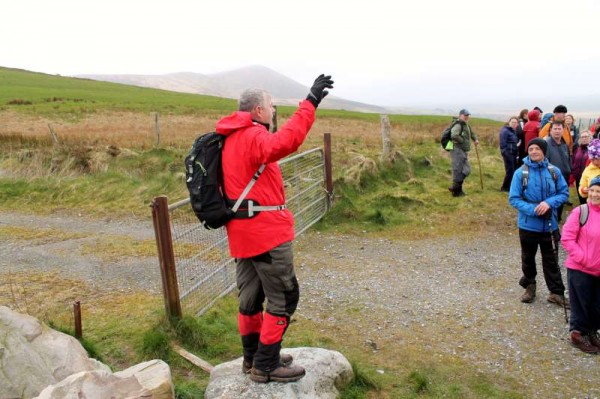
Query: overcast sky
{"x": 519, "y": 53}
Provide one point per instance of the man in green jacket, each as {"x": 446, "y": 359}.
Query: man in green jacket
{"x": 461, "y": 135}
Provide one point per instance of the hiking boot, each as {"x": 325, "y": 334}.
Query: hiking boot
{"x": 284, "y": 359}
{"x": 594, "y": 339}
{"x": 454, "y": 189}
{"x": 559, "y": 300}
{"x": 582, "y": 342}
{"x": 529, "y": 294}
{"x": 280, "y": 374}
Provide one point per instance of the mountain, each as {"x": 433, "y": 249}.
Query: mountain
{"x": 231, "y": 83}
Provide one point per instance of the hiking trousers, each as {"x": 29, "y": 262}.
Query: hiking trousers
{"x": 584, "y": 294}
{"x": 548, "y": 243}
{"x": 267, "y": 276}
{"x": 460, "y": 165}
{"x": 510, "y": 164}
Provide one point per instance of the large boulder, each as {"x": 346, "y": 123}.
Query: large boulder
{"x": 33, "y": 356}
{"x": 96, "y": 385}
{"x": 327, "y": 372}
{"x": 37, "y": 360}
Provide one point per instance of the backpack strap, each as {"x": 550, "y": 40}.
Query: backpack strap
{"x": 237, "y": 204}
{"x": 552, "y": 170}
{"x": 525, "y": 176}
{"x": 584, "y": 212}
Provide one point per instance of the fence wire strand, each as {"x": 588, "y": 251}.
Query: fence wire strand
{"x": 205, "y": 270}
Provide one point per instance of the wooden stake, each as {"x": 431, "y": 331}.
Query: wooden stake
{"x": 195, "y": 360}
{"x": 386, "y": 155}
{"x": 53, "y": 135}
{"x": 157, "y": 128}
{"x": 77, "y": 316}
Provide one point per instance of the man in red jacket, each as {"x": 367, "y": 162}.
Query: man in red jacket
{"x": 261, "y": 242}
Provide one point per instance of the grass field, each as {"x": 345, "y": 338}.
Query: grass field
{"x": 108, "y": 164}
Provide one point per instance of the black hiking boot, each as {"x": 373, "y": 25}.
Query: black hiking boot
{"x": 280, "y": 374}
{"x": 284, "y": 359}
{"x": 529, "y": 294}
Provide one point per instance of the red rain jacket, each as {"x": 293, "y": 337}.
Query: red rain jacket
{"x": 532, "y": 127}
{"x": 249, "y": 144}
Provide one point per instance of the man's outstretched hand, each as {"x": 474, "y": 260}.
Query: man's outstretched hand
{"x": 317, "y": 91}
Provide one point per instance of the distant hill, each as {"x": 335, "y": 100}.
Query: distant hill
{"x": 231, "y": 83}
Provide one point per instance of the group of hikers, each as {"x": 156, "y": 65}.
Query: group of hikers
{"x": 541, "y": 160}
{"x": 261, "y": 242}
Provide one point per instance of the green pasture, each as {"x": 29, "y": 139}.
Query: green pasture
{"x": 406, "y": 197}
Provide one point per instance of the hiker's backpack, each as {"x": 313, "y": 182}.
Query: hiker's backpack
{"x": 584, "y": 212}
{"x": 446, "y": 140}
{"x": 525, "y": 175}
{"x": 204, "y": 180}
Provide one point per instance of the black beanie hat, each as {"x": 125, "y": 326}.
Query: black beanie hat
{"x": 560, "y": 108}
{"x": 540, "y": 143}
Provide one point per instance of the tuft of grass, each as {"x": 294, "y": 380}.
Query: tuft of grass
{"x": 156, "y": 344}
{"x": 188, "y": 390}
{"x": 418, "y": 382}
{"x": 361, "y": 384}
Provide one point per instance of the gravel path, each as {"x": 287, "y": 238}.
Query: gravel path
{"x": 454, "y": 297}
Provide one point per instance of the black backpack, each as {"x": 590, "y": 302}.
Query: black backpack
{"x": 446, "y": 135}
{"x": 204, "y": 180}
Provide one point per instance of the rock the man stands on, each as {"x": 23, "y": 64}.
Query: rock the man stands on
{"x": 461, "y": 135}
{"x": 262, "y": 244}
{"x": 537, "y": 198}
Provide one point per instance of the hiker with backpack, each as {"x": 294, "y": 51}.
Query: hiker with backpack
{"x": 592, "y": 170}
{"x": 536, "y": 191}
{"x": 558, "y": 155}
{"x": 261, "y": 242}
{"x": 558, "y": 115}
{"x": 461, "y": 135}
{"x": 580, "y": 161}
{"x": 581, "y": 239}
{"x": 509, "y": 150}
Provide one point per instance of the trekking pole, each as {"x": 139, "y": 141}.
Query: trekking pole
{"x": 479, "y": 163}
{"x": 555, "y": 251}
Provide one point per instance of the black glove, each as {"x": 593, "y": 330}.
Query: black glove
{"x": 317, "y": 91}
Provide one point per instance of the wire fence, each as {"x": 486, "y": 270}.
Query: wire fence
{"x": 204, "y": 268}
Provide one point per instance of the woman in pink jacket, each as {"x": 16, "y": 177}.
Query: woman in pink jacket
{"x": 581, "y": 239}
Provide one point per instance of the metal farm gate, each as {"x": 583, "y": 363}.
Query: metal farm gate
{"x": 196, "y": 267}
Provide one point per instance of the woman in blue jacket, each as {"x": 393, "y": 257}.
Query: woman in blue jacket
{"x": 509, "y": 150}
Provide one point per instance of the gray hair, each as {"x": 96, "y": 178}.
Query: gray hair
{"x": 251, "y": 98}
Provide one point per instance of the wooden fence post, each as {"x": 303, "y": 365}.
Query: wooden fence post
{"x": 328, "y": 168}
{"x": 166, "y": 256}
{"x": 275, "y": 119}
{"x": 53, "y": 135}
{"x": 157, "y": 128}
{"x": 77, "y": 318}
{"x": 386, "y": 155}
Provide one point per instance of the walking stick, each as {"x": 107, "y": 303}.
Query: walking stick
{"x": 555, "y": 251}
{"x": 479, "y": 163}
